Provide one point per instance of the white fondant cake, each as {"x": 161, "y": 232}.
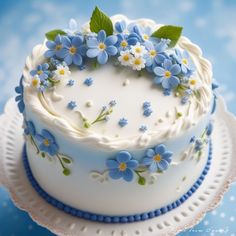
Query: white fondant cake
{"x": 117, "y": 125}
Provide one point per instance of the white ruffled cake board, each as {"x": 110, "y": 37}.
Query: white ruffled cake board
{"x": 221, "y": 174}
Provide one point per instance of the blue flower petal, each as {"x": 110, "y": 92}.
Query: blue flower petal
{"x": 48, "y": 135}
{"x": 102, "y": 57}
{"x": 91, "y": 53}
{"x": 111, "y": 40}
{"x": 115, "y": 174}
{"x": 58, "y": 39}
{"x": 62, "y": 53}
{"x": 66, "y": 42}
{"x": 132, "y": 40}
{"x": 174, "y": 81}
{"x": 150, "y": 153}
{"x": 159, "y": 71}
{"x": 167, "y": 154}
{"x": 76, "y": 41}
{"x": 92, "y": 43}
{"x": 39, "y": 138}
{"x": 175, "y": 69}
{"x": 68, "y": 59}
{"x": 160, "y": 149}
{"x": 112, "y": 164}
{"x": 166, "y": 84}
{"x": 147, "y": 161}
{"x": 163, "y": 164}
{"x": 153, "y": 167}
{"x": 82, "y": 50}
{"x": 132, "y": 164}
{"x": 111, "y": 50}
{"x": 49, "y": 53}
{"x": 158, "y": 80}
{"x": 101, "y": 36}
{"x": 123, "y": 156}
{"x": 77, "y": 59}
{"x": 167, "y": 64}
{"x": 128, "y": 175}
{"x": 50, "y": 44}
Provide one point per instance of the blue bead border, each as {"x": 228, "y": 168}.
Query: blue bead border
{"x": 114, "y": 219}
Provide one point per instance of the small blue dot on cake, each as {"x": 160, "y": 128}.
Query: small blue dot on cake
{"x": 88, "y": 81}
{"x": 143, "y": 128}
{"x": 71, "y": 82}
{"x": 123, "y": 122}
{"x": 71, "y": 105}
{"x": 147, "y": 110}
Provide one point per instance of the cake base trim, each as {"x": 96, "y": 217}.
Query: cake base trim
{"x": 114, "y": 219}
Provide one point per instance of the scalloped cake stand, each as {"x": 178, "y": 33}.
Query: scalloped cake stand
{"x": 222, "y": 173}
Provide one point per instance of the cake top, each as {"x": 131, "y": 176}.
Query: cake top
{"x": 118, "y": 83}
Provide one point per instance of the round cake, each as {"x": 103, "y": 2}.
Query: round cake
{"x": 117, "y": 118}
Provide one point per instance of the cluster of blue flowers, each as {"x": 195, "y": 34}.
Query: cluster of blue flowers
{"x": 125, "y": 166}
{"x": 133, "y": 45}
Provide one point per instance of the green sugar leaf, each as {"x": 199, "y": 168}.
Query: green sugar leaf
{"x": 66, "y": 160}
{"x": 141, "y": 180}
{"x": 66, "y": 172}
{"x": 169, "y": 32}
{"x": 100, "y": 21}
{"x": 51, "y": 35}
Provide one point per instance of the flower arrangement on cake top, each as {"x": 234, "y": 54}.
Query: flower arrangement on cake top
{"x": 133, "y": 46}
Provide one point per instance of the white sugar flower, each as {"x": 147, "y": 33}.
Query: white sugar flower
{"x": 138, "y": 50}
{"x": 138, "y": 63}
{"x": 194, "y": 84}
{"x": 125, "y": 58}
{"x": 61, "y": 72}
{"x": 35, "y": 82}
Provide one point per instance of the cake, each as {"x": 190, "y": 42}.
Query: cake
{"x": 117, "y": 118}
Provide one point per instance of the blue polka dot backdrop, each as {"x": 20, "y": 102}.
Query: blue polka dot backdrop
{"x": 207, "y": 23}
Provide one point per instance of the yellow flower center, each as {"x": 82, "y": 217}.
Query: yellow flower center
{"x": 123, "y": 44}
{"x": 185, "y": 61}
{"x": 126, "y": 57}
{"x": 39, "y": 72}
{"x": 62, "y": 72}
{"x": 167, "y": 74}
{"x": 102, "y": 46}
{"x": 137, "y": 61}
{"x": 193, "y": 81}
{"x": 58, "y": 47}
{"x": 72, "y": 50}
{"x": 153, "y": 53}
{"x": 35, "y": 82}
{"x": 46, "y": 142}
{"x": 122, "y": 166}
{"x": 157, "y": 158}
{"x": 138, "y": 50}
{"x": 145, "y": 37}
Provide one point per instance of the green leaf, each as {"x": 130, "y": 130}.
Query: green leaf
{"x": 141, "y": 180}
{"x": 51, "y": 35}
{"x": 169, "y": 32}
{"x": 66, "y": 160}
{"x": 100, "y": 21}
{"x": 43, "y": 154}
{"x": 66, "y": 172}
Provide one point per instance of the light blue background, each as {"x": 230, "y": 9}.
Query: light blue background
{"x": 210, "y": 24}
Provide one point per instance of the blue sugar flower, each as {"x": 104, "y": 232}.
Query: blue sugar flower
{"x": 126, "y": 40}
{"x": 156, "y": 52}
{"x": 20, "y": 97}
{"x": 42, "y": 71}
{"x": 102, "y": 47}
{"x": 122, "y": 167}
{"x": 120, "y": 26}
{"x": 167, "y": 75}
{"x": 185, "y": 62}
{"x": 73, "y": 50}
{"x": 71, "y": 82}
{"x": 167, "y": 92}
{"x": 71, "y": 105}
{"x": 47, "y": 142}
{"x": 147, "y": 112}
{"x": 198, "y": 145}
{"x": 143, "y": 128}
{"x": 88, "y": 81}
{"x": 144, "y": 33}
{"x": 54, "y": 47}
{"x": 123, "y": 122}
{"x": 146, "y": 105}
{"x": 54, "y": 61}
{"x": 29, "y": 128}
{"x": 112, "y": 103}
{"x": 158, "y": 158}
